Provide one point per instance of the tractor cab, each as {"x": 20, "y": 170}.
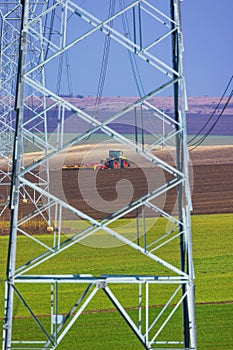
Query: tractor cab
{"x": 113, "y": 154}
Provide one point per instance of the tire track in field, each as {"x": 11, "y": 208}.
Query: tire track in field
{"x": 89, "y": 312}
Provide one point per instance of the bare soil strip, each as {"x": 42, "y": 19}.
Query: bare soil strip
{"x": 89, "y": 312}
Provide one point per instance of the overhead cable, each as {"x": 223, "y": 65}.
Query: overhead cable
{"x": 199, "y": 142}
{"x": 211, "y": 116}
{"x": 104, "y": 64}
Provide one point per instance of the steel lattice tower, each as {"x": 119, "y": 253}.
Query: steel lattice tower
{"x": 161, "y": 281}
{"x": 10, "y": 17}
{"x": 10, "y": 39}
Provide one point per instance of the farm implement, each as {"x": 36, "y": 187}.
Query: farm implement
{"x": 115, "y": 160}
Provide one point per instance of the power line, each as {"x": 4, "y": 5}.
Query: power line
{"x": 212, "y": 127}
{"x": 210, "y": 118}
{"x": 104, "y": 64}
{"x": 133, "y": 62}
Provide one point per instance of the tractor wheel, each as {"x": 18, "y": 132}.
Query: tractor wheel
{"x": 113, "y": 164}
{"x": 124, "y": 163}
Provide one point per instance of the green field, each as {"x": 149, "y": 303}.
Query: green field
{"x": 213, "y": 261}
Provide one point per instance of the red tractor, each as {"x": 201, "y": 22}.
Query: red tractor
{"x": 116, "y": 160}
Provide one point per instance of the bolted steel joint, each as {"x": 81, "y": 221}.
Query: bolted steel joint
{"x": 101, "y": 284}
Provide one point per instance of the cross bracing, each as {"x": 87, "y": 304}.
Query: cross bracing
{"x": 47, "y": 35}
{"x": 10, "y": 39}
{"x": 10, "y": 29}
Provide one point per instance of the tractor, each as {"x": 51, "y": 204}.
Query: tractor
{"x": 116, "y": 160}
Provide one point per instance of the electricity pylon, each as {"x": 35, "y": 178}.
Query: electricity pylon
{"x": 10, "y": 38}
{"x": 161, "y": 279}
{"x": 10, "y": 17}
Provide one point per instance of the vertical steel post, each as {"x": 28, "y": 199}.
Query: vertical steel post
{"x": 17, "y": 159}
{"x": 183, "y": 190}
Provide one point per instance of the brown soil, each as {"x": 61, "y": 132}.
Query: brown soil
{"x": 98, "y": 194}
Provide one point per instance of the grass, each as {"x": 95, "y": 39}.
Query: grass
{"x": 212, "y": 251}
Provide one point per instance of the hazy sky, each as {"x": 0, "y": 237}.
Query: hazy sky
{"x": 208, "y": 36}
{"x": 208, "y": 55}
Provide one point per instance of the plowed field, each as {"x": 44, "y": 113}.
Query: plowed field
{"x": 100, "y": 193}
{"x": 212, "y": 189}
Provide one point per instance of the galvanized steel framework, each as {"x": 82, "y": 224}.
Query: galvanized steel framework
{"x": 10, "y": 17}
{"x": 45, "y": 38}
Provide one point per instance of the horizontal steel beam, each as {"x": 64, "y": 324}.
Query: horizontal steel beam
{"x": 88, "y": 278}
